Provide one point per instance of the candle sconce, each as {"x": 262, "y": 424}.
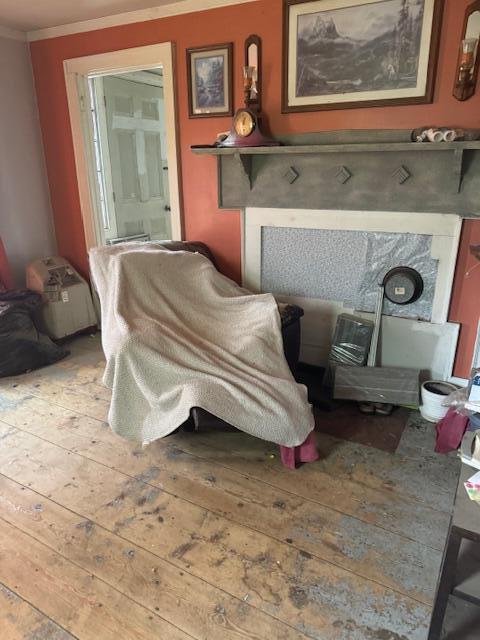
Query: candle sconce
{"x": 249, "y": 128}
{"x": 469, "y": 55}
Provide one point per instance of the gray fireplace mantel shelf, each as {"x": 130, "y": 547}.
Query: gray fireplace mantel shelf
{"x": 390, "y": 176}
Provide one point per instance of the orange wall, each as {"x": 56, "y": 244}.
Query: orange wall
{"x": 203, "y": 220}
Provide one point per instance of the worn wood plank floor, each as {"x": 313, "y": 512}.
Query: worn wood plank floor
{"x": 206, "y": 535}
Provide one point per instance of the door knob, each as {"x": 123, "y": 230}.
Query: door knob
{"x": 167, "y": 207}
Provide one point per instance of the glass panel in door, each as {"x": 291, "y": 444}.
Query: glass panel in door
{"x": 129, "y": 115}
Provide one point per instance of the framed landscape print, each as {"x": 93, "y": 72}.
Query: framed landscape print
{"x": 209, "y": 72}
{"x": 354, "y": 53}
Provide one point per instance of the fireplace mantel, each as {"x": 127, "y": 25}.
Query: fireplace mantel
{"x": 352, "y": 171}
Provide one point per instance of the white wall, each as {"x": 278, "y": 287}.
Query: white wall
{"x": 26, "y": 226}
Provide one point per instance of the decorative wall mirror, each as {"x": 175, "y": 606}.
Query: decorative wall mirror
{"x": 253, "y": 72}
{"x": 469, "y": 55}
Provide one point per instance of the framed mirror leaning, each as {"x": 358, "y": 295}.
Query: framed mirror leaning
{"x": 253, "y": 60}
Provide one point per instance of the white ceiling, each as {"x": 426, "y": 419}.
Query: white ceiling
{"x": 29, "y": 15}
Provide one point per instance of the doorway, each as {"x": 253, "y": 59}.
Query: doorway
{"x": 123, "y": 124}
{"x": 129, "y": 136}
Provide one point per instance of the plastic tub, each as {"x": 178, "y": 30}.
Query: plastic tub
{"x": 433, "y": 393}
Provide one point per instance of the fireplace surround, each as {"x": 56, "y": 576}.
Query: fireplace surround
{"x": 357, "y": 190}
{"x": 302, "y": 267}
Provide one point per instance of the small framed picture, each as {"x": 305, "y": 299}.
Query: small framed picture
{"x": 210, "y": 81}
{"x": 359, "y": 53}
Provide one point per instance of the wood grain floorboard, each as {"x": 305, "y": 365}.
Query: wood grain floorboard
{"x": 207, "y": 534}
{"x": 384, "y": 557}
{"x": 383, "y": 508}
{"x": 291, "y": 585}
{"x": 189, "y": 603}
{"x": 19, "y": 620}
{"x": 82, "y": 604}
{"x": 392, "y": 474}
{"x": 404, "y": 474}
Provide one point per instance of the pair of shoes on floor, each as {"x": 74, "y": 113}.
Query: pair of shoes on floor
{"x": 380, "y": 408}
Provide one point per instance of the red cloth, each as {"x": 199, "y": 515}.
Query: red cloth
{"x": 305, "y": 452}
{"x": 6, "y": 278}
{"x": 450, "y": 431}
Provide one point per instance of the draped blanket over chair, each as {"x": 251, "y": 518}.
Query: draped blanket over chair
{"x": 177, "y": 334}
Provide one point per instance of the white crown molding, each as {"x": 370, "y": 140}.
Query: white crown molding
{"x": 140, "y": 15}
{"x": 12, "y": 34}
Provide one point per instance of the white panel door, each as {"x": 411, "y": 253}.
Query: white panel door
{"x": 135, "y": 123}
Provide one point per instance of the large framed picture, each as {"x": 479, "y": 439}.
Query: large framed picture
{"x": 359, "y": 53}
{"x": 210, "y": 81}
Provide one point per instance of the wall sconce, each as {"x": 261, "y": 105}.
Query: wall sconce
{"x": 249, "y": 127}
{"x": 469, "y": 55}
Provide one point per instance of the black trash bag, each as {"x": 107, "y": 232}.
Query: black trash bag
{"x": 22, "y": 347}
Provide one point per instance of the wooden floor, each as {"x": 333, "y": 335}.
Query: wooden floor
{"x": 206, "y": 536}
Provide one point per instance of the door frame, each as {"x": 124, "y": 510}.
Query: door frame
{"x": 77, "y": 71}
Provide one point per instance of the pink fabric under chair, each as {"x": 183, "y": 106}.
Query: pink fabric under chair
{"x": 305, "y": 452}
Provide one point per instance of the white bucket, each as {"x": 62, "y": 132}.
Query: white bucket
{"x": 433, "y": 394}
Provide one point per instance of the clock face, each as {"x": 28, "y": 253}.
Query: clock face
{"x": 243, "y": 123}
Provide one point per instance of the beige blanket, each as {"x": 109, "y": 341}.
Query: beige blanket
{"x": 177, "y": 334}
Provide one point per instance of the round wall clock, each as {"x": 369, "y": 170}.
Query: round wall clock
{"x": 243, "y": 123}
{"x": 247, "y": 131}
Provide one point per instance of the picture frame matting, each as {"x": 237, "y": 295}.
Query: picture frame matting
{"x": 210, "y": 81}
{"x": 326, "y": 43}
